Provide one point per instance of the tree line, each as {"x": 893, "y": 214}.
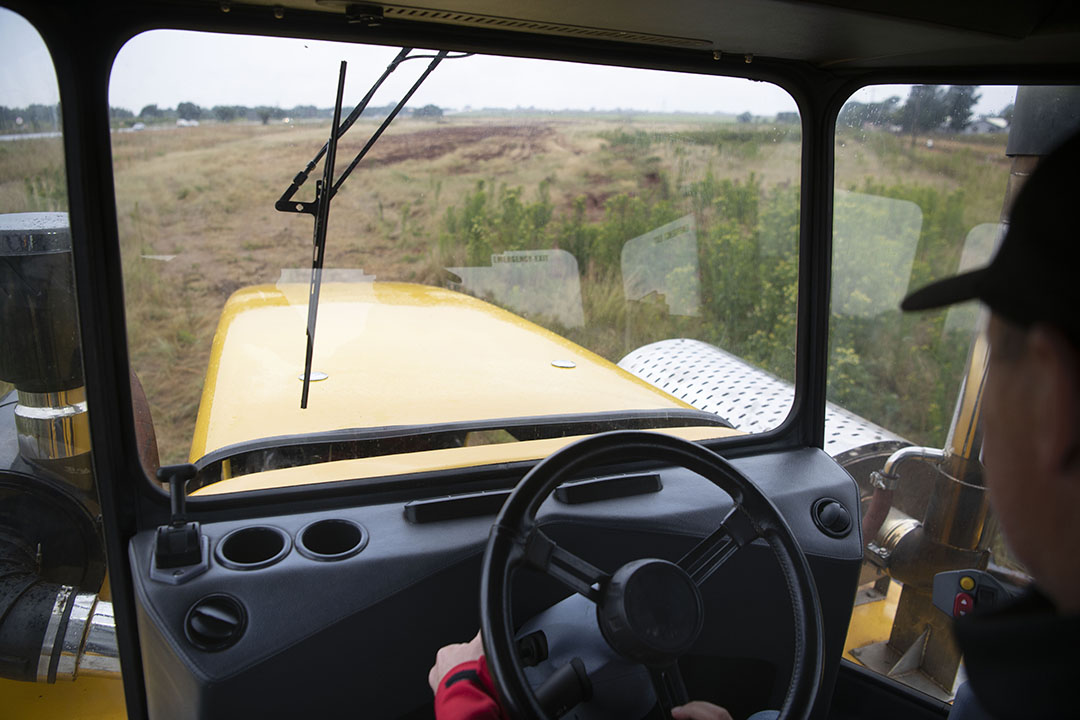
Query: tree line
{"x": 33, "y": 118}
{"x": 47, "y": 118}
{"x": 259, "y": 113}
{"x": 927, "y": 108}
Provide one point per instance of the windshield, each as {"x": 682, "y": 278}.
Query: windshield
{"x": 532, "y": 251}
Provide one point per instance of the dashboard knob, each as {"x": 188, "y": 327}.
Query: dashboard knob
{"x": 215, "y": 622}
{"x": 831, "y": 517}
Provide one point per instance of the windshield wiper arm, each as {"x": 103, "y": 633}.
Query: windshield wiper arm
{"x": 327, "y": 188}
{"x": 390, "y": 118}
{"x": 284, "y": 203}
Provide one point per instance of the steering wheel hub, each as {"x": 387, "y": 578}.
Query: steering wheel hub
{"x": 650, "y": 612}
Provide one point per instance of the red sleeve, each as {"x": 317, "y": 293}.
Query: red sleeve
{"x": 467, "y": 693}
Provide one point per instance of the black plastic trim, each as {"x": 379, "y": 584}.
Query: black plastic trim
{"x": 858, "y": 689}
{"x": 455, "y": 507}
{"x": 608, "y": 488}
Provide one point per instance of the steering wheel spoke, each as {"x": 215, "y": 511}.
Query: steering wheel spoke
{"x": 711, "y": 553}
{"x": 542, "y": 553}
{"x": 669, "y": 687}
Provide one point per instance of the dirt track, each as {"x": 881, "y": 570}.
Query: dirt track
{"x": 474, "y": 142}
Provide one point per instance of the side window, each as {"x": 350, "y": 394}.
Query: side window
{"x": 921, "y": 182}
{"x": 53, "y": 594}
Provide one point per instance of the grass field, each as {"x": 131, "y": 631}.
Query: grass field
{"x": 196, "y": 216}
{"x": 205, "y": 195}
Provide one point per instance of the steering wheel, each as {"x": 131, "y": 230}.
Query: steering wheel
{"x": 649, "y": 611}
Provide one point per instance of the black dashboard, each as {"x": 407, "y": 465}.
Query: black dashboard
{"x": 340, "y": 612}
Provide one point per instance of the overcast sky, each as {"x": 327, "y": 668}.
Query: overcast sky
{"x": 26, "y": 73}
{"x": 169, "y": 67}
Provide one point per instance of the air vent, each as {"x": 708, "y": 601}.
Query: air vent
{"x": 215, "y": 622}
{"x": 401, "y": 12}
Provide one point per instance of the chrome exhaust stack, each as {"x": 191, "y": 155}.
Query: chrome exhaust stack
{"x": 54, "y": 430}
{"x": 41, "y": 354}
{"x": 80, "y": 640}
{"x": 53, "y": 624}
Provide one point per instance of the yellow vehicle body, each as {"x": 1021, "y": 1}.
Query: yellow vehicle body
{"x": 87, "y": 698}
{"x": 451, "y": 357}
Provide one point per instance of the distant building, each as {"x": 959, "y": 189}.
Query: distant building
{"x": 983, "y": 126}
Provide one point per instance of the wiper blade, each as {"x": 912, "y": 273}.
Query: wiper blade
{"x": 323, "y": 195}
{"x": 327, "y": 188}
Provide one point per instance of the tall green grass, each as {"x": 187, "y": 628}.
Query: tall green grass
{"x": 901, "y": 371}
{"x": 32, "y": 177}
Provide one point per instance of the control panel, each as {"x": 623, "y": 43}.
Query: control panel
{"x": 960, "y": 592}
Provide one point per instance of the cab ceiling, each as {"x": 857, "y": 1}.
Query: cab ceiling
{"x": 826, "y": 33}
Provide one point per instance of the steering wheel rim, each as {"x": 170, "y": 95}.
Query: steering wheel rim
{"x": 514, "y": 539}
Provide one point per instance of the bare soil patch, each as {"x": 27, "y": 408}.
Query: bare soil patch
{"x": 495, "y": 141}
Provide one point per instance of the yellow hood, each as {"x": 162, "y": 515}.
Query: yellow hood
{"x": 394, "y": 354}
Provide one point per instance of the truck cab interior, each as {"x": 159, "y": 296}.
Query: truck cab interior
{"x": 609, "y": 365}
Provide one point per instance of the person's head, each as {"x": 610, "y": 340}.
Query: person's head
{"x": 1031, "y": 400}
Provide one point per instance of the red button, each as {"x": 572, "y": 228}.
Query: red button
{"x": 963, "y": 604}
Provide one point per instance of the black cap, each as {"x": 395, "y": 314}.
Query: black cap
{"x": 1035, "y": 275}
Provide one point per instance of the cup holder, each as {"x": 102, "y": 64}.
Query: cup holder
{"x": 333, "y": 539}
{"x": 252, "y": 548}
